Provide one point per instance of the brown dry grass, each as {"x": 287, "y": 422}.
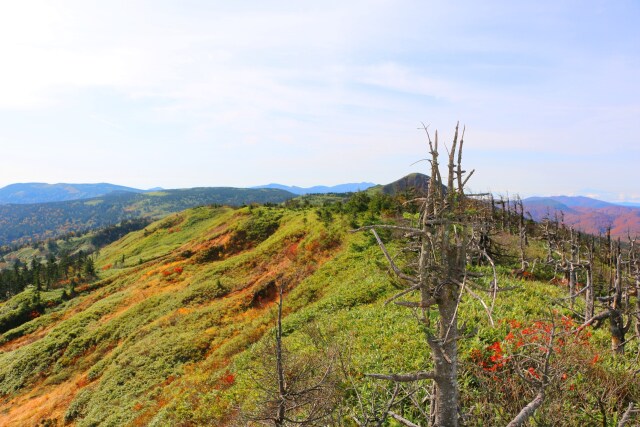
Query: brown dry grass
{"x": 41, "y": 403}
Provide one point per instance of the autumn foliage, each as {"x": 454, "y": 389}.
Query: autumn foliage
{"x": 507, "y": 372}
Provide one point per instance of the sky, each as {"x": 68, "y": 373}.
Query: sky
{"x": 192, "y": 93}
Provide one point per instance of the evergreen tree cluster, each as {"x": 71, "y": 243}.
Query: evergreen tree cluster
{"x": 46, "y": 275}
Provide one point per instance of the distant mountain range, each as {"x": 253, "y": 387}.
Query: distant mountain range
{"x": 631, "y": 204}
{"x": 569, "y": 202}
{"x": 321, "y": 189}
{"x": 38, "y": 211}
{"x": 39, "y": 192}
{"x": 587, "y": 214}
{"x": 21, "y": 223}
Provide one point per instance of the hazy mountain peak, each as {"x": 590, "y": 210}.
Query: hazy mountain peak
{"x": 41, "y": 192}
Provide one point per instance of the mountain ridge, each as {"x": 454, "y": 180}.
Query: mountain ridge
{"x": 573, "y": 201}
{"x": 22, "y": 223}
{"x": 320, "y": 189}
{"x": 587, "y": 214}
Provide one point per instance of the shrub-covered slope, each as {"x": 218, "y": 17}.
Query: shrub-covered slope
{"x": 194, "y": 289}
{"x": 167, "y": 335}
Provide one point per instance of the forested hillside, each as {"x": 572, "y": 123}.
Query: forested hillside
{"x": 178, "y": 327}
{"x": 32, "y": 222}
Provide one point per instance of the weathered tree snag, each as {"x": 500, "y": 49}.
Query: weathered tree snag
{"x": 634, "y": 266}
{"x": 441, "y": 242}
{"x": 522, "y": 233}
{"x": 590, "y": 292}
{"x": 293, "y": 389}
{"x": 616, "y": 320}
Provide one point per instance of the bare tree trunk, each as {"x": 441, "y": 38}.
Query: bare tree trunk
{"x": 616, "y": 321}
{"x": 589, "y": 294}
{"x": 444, "y": 290}
{"x": 634, "y": 267}
{"x": 638, "y": 305}
{"x": 572, "y": 284}
{"x": 574, "y": 244}
{"x": 446, "y": 362}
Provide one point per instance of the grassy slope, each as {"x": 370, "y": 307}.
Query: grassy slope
{"x": 152, "y": 342}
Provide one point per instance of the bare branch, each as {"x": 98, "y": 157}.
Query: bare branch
{"x": 626, "y": 417}
{"x": 402, "y": 420}
{"x": 595, "y": 318}
{"x": 404, "y": 378}
{"x": 476, "y": 296}
{"x": 389, "y": 404}
{"x": 389, "y": 227}
{"x": 413, "y": 304}
{"x": 400, "y": 294}
{"x": 460, "y": 171}
{"x": 468, "y": 178}
{"x": 528, "y": 410}
{"x": 393, "y": 265}
{"x": 494, "y": 285}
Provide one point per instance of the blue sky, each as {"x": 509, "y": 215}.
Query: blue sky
{"x": 218, "y": 93}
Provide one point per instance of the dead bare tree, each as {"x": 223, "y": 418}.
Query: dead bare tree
{"x": 634, "y": 261}
{"x": 589, "y": 295}
{"x": 522, "y": 233}
{"x": 616, "y": 305}
{"x": 617, "y": 325}
{"x": 439, "y": 276}
{"x": 300, "y": 390}
{"x": 550, "y": 236}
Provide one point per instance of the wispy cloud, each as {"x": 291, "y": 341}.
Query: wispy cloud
{"x": 326, "y": 92}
